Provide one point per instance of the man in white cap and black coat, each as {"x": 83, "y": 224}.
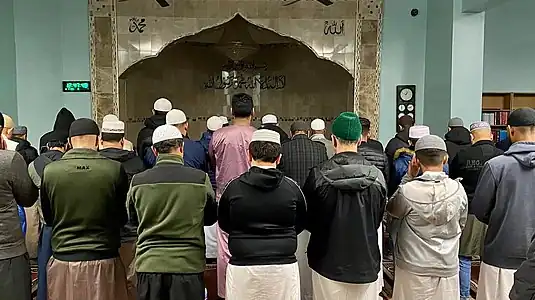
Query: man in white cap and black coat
{"x": 271, "y": 122}
{"x": 263, "y": 265}
{"x": 172, "y": 203}
{"x": 144, "y": 143}
{"x": 83, "y": 197}
{"x": 432, "y": 209}
{"x": 318, "y": 134}
{"x": 504, "y": 201}
{"x": 112, "y": 147}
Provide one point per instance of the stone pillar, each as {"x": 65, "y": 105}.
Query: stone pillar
{"x": 453, "y": 65}
{"x": 103, "y": 43}
{"x": 368, "y": 61}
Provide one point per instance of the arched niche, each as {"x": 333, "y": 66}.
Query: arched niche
{"x": 285, "y": 77}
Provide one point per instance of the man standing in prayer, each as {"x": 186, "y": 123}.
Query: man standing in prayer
{"x": 172, "y": 203}
{"x": 318, "y": 134}
{"x": 63, "y": 121}
{"x": 432, "y": 209}
{"x": 111, "y": 146}
{"x": 263, "y": 212}
{"x": 467, "y": 164}
{"x": 229, "y": 155}
{"x": 270, "y": 122}
{"x": 16, "y": 188}
{"x": 457, "y": 137}
{"x": 504, "y": 201}
{"x": 366, "y": 139}
{"x": 56, "y": 146}
{"x": 346, "y": 197}
{"x": 299, "y": 155}
{"x": 144, "y": 143}
{"x": 83, "y": 197}
{"x": 194, "y": 155}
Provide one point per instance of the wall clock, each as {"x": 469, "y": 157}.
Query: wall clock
{"x": 405, "y": 101}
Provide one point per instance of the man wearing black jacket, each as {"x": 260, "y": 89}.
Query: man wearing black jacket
{"x": 111, "y": 146}
{"x": 467, "y": 164}
{"x": 263, "y": 233}
{"x": 144, "y": 138}
{"x": 346, "y": 198}
{"x": 270, "y": 122}
{"x": 457, "y": 137}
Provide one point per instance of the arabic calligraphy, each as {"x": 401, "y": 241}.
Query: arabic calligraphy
{"x": 137, "y": 24}
{"x": 269, "y": 82}
{"x": 333, "y": 27}
{"x": 244, "y": 66}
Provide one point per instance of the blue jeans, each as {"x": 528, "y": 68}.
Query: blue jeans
{"x": 465, "y": 268}
{"x": 43, "y": 255}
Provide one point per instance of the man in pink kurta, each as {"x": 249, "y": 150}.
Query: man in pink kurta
{"x": 229, "y": 149}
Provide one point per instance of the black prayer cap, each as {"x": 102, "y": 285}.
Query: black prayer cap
{"x": 83, "y": 126}
{"x": 299, "y": 126}
{"x": 522, "y": 117}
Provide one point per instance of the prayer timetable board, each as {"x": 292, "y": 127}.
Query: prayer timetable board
{"x": 76, "y": 86}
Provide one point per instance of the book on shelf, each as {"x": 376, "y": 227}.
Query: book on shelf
{"x": 499, "y": 135}
{"x": 497, "y": 118}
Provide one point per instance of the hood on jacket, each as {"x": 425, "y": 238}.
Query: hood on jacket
{"x": 459, "y": 136}
{"x": 119, "y": 155}
{"x": 64, "y": 119}
{"x": 263, "y": 179}
{"x": 154, "y": 121}
{"x": 22, "y": 144}
{"x": 524, "y": 153}
{"x": 442, "y": 205}
{"x": 349, "y": 175}
{"x": 403, "y": 152}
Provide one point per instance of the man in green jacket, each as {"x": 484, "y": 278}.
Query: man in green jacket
{"x": 172, "y": 204}
{"x": 83, "y": 198}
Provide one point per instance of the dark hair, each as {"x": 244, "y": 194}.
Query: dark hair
{"x": 160, "y": 113}
{"x": 168, "y": 145}
{"x": 265, "y": 151}
{"x": 56, "y": 144}
{"x": 406, "y": 121}
{"x": 242, "y": 105}
{"x": 365, "y": 124}
{"x": 431, "y": 157}
{"x": 112, "y": 137}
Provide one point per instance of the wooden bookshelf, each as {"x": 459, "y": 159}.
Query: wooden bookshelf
{"x": 496, "y": 108}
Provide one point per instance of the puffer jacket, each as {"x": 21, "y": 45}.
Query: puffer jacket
{"x": 377, "y": 158}
{"x": 346, "y": 196}
{"x": 432, "y": 209}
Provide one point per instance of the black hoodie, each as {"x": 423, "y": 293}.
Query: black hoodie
{"x": 457, "y": 138}
{"x": 144, "y": 137}
{"x": 64, "y": 118}
{"x": 132, "y": 165}
{"x": 263, "y": 212}
{"x": 24, "y": 148}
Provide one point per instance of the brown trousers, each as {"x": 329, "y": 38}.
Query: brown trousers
{"x": 127, "y": 253}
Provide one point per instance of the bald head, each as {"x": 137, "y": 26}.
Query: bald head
{"x": 481, "y": 134}
{"x": 8, "y": 125}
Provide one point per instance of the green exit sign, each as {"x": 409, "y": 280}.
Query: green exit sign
{"x": 76, "y": 86}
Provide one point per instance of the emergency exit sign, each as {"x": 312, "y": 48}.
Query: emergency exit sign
{"x": 76, "y": 86}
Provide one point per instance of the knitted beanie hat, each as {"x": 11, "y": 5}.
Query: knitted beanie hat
{"x": 347, "y": 127}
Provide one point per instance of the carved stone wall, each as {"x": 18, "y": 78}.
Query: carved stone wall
{"x": 127, "y": 32}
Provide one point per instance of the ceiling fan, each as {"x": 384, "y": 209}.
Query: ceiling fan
{"x": 324, "y": 2}
{"x": 163, "y": 3}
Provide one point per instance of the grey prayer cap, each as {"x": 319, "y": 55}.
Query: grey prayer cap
{"x": 479, "y": 125}
{"x": 430, "y": 142}
{"x": 20, "y": 130}
{"x": 456, "y": 122}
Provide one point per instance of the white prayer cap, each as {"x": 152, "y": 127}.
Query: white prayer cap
{"x": 163, "y": 105}
{"x": 317, "y": 124}
{"x": 224, "y": 119}
{"x": 175, "y": 116}
{"x": 110, "y": 117}
{"x": 164, "y": 133}
{"x": 266, "y": 135}
{"x": 479, "y": 125}
{"x": 113, "y": 127}
{"x": 214, "y": 123}
{"x": 269, "y": 119}
{"x": 418, "y": 131}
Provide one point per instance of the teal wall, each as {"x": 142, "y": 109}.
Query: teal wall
{"x": 8, "y": 67}
{"x": 510, "y": 47}
{"x": 402, "y": 58}
{"x": 52, "y": 44}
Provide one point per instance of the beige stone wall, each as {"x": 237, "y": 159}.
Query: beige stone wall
{"x": 114, "y": 47}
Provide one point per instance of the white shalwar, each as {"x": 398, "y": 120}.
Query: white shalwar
{"x": 305, "y": 273}
{"x": 409, "y": 286}
{"x": 265, "y": 282}
{"x": 326, "y": 289}
{"x": 494, "y": 283}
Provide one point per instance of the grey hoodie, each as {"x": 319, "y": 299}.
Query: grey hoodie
{"x": 432, "y": 209}
{"x": 504, "y": 199}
